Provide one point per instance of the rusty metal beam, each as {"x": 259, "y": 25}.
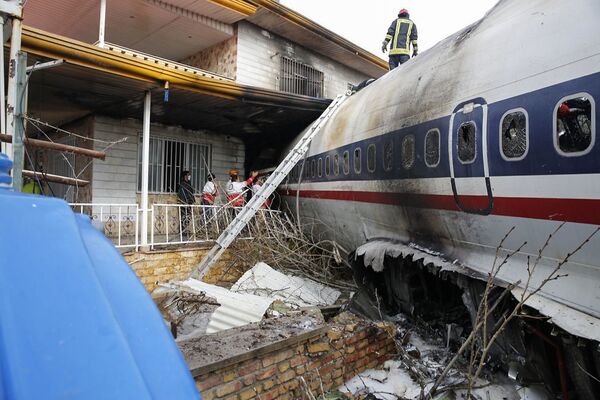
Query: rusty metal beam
{"x": 44, "y": 144}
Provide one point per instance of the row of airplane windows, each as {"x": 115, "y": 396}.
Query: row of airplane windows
{"x": 573, "y": 136}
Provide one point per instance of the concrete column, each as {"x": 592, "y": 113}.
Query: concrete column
{"x": 102, "y": 27}
{"x": 145, "y": 169}
{"x": 15, "y": 47}
{"x": 19, "y": 122}
{"x": 2, "y": 90}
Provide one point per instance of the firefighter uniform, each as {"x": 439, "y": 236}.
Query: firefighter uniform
{"x": 402, "y": 34}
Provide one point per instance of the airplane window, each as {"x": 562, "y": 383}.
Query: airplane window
{"x": 388, "y": 155}
{"x": 346, "y": 157}
{"x": 320, "y": 167}
{"x": 574, "y": 128}
{"x": 408, "y": 151}
{"x": 371, "y": 158}
{"x": 466, "y": 142}
{"x": 432, "y": 148}
{"x": 336, "y": 164}
{"x": 327, "y": 165}
{"x": 357, "y": 160}
{"x": 513, "y": 135}
{"x": 306, "y": 170}
{"x": 313, "y": 168}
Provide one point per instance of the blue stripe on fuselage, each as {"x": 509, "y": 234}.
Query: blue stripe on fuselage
{"x": 542, "y": 157}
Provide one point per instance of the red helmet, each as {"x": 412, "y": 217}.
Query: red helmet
{"x": 403, "y": 11}
{"x": 564, "y": 109}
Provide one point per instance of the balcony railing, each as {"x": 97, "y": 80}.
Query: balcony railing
{"x": 172, "y": 224}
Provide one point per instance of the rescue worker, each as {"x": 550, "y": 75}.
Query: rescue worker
{"x": 235, "y": 189}
{"x": 256, "y": 188}
{"x": 402, "y": 33}
{"x": 209, "y": 191}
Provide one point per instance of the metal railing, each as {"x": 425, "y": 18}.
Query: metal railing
{"x": 182, "y": 224}
{"x": 118, "y": 222}
{"x": 171, "y": 224}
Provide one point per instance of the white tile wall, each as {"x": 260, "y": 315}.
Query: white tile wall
{"x": 115, "y": 179}
{"x": 259, "y": 54}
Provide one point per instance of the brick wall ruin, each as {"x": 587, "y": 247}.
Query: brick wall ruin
{"x": 319, "y": 361}
{"x": 154, "y": 267}
{"x": 220, "y": 58}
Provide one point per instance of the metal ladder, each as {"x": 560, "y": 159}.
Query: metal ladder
{"x": 258, "y": 199}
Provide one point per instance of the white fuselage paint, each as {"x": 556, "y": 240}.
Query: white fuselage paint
{"x": 517, "y": 48}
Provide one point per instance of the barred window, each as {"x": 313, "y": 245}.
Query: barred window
{"x": 168, "y": 159}
{"x": 513, "y": 135}
{"x": 408, "y": 151}
{"x": 299, "y": 78}
{"x": 357, "y": 160}
{"x": 432, "y": 148}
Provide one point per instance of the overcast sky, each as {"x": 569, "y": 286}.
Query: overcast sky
{"x": 365, "y": 22}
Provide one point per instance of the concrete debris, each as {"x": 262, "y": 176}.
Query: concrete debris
{"x": 262, "y": 280}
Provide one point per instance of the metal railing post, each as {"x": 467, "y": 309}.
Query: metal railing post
{"x": 145, "y": 168}
{"x": 102, "y": 27}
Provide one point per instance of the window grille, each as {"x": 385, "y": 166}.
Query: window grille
{"x": 299, "y": 78}
{"x": 168, "y": 159}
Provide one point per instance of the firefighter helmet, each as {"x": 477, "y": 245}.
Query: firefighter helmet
{"x": 233, "y": 172}
{"x": 403, "y": 11}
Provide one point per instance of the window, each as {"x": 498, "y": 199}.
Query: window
{"x": 514, "y": 135}
{"x": 371, "y": 153}
{"x": 336, "y": 165}
{"x": 168, "y": 159}
{"x": 388, "y": 155}
{"x": 313, "y": 168}
{"x": 346, "y": 157}
{"x": 432, "y": 148}
{"x": 574, "y": 125}
{"x": 299, "y": 78}
{"x": 320, "y": 167}
{"x": 466, "y": 135}
{"x": 327, "y": 166}
{"x": 357, "y": 160}
{"x": 408, "y": 151}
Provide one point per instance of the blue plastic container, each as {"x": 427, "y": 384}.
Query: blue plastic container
{"x": 75, "y": 322}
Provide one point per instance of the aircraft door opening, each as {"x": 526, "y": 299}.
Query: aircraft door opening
{"x": 467, "y": 149}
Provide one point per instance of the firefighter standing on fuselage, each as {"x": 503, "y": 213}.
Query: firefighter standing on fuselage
{"x": 402, "y": 33}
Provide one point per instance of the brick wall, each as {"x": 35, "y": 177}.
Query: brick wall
{"x": 220, "y": 58}
{"x": 321, "y": 362}
{"x": 154, "y": 267}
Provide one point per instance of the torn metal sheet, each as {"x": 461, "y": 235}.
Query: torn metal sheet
{"x": 236, "y": 309}
{"x": 374, "y": 254}
{"x": 265, "y": 281}
{"x": 573, "y": 321}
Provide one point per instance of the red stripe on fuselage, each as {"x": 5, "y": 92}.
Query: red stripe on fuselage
{"x": 586, "y": 211}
